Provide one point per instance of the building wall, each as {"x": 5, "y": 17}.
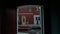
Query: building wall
{"x": 29, "y": 17}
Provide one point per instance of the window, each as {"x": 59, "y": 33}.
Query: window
{"x": 23, "y": 20}
{"x": 37, "y": 9}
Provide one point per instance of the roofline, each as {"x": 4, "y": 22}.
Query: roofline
{"x": 29, "y": 6}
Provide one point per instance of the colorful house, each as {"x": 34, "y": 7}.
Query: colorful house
{"x": 28, "y": 17}
{"x": 28, "y": 14}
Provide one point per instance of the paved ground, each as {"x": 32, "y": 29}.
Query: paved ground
{"x": 23, "y": 33}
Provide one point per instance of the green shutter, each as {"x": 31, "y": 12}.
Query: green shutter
{"x": 30, "y": 9}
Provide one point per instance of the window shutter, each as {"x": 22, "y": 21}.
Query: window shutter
{"x": 30, "y": 9}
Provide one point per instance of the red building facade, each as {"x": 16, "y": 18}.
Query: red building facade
{"x": 24, "y": 11}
